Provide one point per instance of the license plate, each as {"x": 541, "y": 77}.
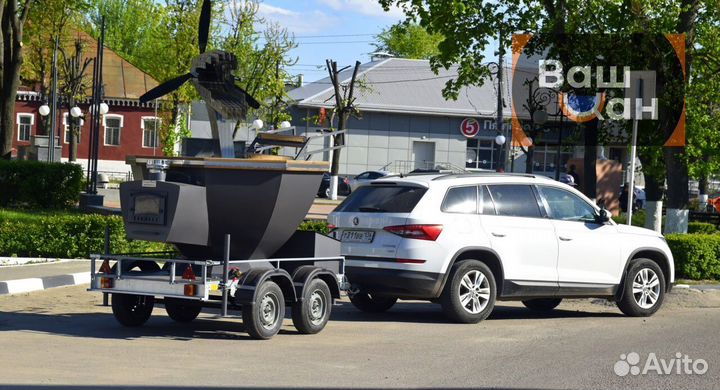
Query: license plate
{"x": 357, "y": 236}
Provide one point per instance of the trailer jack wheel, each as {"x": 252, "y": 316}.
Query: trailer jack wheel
{"x": 311, "y": 314}
{"x": 264, "y": 318}
{"x": 132, "y": 310}
{"x": 182, "y": 310}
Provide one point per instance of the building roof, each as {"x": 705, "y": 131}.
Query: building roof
{"x": 407, "y": 86}
{"x": 121, "y": 79}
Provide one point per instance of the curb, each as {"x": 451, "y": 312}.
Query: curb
{"x": 19, "y": 286}
{"x": 6, "y": 261}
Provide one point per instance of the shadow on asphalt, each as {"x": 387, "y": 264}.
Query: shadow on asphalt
{"x": 104, "y": 326}
{"x": 120, "y": 387}
{"x": 426, "y": 312}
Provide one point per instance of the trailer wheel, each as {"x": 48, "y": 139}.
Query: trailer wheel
{"x": 182, "y": 310}
{"x": 264, "y": 318}
{"x": 132, "y": 310}
{"x": 311, "y": 314}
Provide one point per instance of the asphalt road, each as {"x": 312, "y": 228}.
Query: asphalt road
{"x": 63, "y": 338}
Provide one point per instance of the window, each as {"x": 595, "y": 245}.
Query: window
{"x": 374, "y": 175}
{"x": 460, "y": 200}
{"x": 566, "y": 206}
{"x": 515, "y": 200}
{"x": 481, "y": 153}
{"x": 545, "y": 158}
{"x": 113, "y": 125}
{"x": 25, "y": 123}
{"x": 363, "y": 176}
{"x": 382, "y": 199}
{"x": 66, "y": 127}
{"x": 151, "y": 128}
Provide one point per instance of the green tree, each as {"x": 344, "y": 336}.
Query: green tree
{"x": 470, "y": 25}
{"x": 129, "y": 27}
{"x": 55, "y": 18}
{"x": 409, "y": 40}
{"x": 262, "y": 59}
{"x": 13, "y": 14}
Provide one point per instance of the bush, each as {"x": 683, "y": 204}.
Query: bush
{"x": 65, "y": 235}
{"x": 697, "y": 256}
{"x": 701, "y": 228}
{"x": 637, "y": 220}
{"x": 314, "y": 225}
{"x": 36, "y": 184}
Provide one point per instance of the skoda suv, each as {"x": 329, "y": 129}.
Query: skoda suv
{"x": 467, "y": 240}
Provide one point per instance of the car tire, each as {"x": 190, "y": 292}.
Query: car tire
{"x": 643, "y": 289}
{"x": 311, "y": 314}
{"x": 132, "y": 310}
{"x": 469, "y": 294}
{"x": 369, "y": 303}
{"x": 542, "y": 304}
{"x": 264, "y": 318}
{"x": 182, "y": 310}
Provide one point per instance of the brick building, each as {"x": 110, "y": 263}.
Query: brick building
{"x": 129, "y": 128}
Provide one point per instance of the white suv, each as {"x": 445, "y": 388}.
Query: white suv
{"x": 465, "y": 240}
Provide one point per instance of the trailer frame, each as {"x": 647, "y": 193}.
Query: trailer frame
{"x": 165, "y": 282}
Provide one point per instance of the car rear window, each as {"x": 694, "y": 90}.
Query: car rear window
{"x": 460, "y": 200}
{"x": 382, "y": 199}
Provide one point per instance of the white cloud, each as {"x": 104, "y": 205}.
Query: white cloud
{"x": 268, "y": 10}
{"x": 298, "y": 22}
{"x": 365, "y": 7}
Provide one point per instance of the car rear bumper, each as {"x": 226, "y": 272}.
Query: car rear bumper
{"x": 395, "y": 282}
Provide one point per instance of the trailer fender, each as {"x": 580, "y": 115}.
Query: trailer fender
{"x": 303, "y": 275}
{"x": 253, "y": 279}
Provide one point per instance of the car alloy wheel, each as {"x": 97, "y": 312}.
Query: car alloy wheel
{"x": 646, "y": 288}
{"x": 474, "y": 292}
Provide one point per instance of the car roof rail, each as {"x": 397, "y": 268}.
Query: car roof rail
{"x": 487, "y": 174}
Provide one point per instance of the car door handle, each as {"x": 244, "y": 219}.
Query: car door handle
{"x": 498, "y": 234}
{"x": 565, "y": 238}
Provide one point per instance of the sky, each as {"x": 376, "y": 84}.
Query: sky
{"x": 342, "y": 30}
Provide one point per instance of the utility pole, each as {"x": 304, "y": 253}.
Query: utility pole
{"x": 499, "y": 120}
{"x": 53, "y": 104}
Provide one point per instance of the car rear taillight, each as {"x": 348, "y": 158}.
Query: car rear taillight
{"x": 419, "y": 232}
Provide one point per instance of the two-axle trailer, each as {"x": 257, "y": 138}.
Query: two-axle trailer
{"x": 259, "y": 288}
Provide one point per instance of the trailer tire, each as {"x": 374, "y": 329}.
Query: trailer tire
{"x": 312, "y": 312}
{"x": 264, "y": 318}
{"x": 182, "y": 310}
{"x": 132, "y": 310}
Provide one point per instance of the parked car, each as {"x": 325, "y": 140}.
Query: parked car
{"x": 467, "y": 240}
{"x": 343, "y": 186}
{"x": 638, "y": 199}
{"x": 367, "y": 177}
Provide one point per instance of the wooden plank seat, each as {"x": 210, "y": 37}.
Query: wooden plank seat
{"x": 281, "y": 139}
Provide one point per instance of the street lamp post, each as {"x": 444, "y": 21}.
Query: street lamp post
{"x": 541, "y": 99}
{"x": 53, "y": 104}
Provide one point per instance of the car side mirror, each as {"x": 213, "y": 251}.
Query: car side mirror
{"x": 603, "y": 216}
